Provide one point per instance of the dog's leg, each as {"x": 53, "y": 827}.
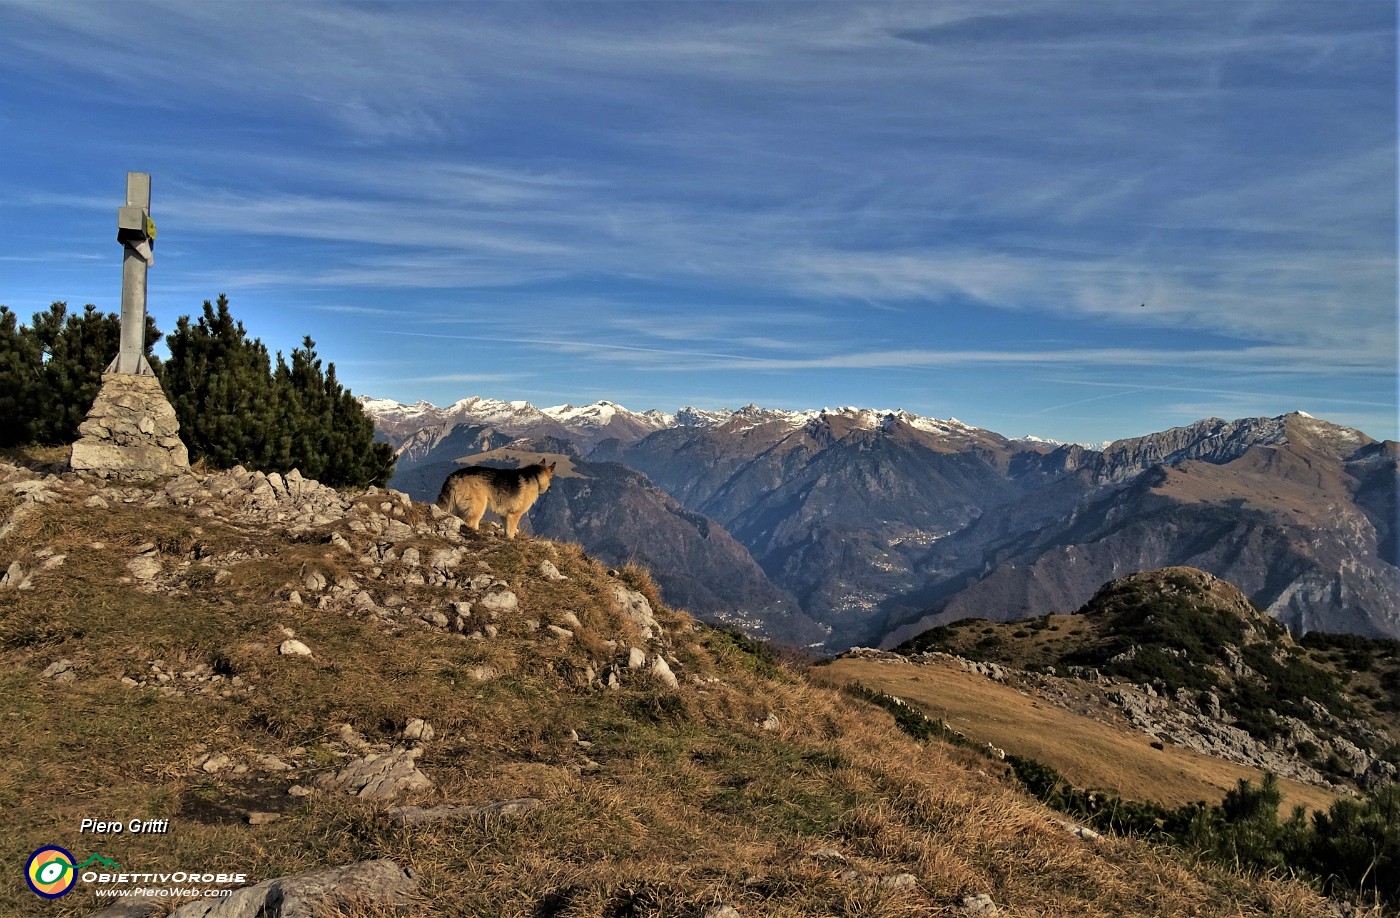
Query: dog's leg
{"x": 475, "y": 512}
{"x": 512, "y": 522}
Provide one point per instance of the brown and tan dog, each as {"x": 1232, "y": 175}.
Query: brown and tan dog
{"x": 470, "y": 492}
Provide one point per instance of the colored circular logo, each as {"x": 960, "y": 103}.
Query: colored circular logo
{"x": 50, "y": 872}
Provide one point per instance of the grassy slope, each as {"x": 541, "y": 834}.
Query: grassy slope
{"x": 692, "y": 802}
{"x": 1088, "y": 753}
{"x": 1353, "y": 676}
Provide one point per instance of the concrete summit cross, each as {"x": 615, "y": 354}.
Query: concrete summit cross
{"x": 136, "y": 231}
{"x": 131, "y": 431}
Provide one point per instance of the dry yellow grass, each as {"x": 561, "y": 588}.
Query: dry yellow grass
{"x": 1090, "y": 754}
{"x": 681, "y": 802}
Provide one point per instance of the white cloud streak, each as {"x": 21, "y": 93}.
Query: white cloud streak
{"x": 1231, "y": 167}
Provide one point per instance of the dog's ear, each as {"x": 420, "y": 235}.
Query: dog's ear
{"x": 551, "y": 467}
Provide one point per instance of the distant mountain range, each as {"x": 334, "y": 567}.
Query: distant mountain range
{"x": 879, "y": 524}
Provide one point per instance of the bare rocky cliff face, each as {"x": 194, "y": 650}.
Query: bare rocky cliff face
{"x": 841, "y": 514}
{"x": 881, "y": 524}
{"x": 622, "y": 517}
{"x": 1301, "y": 520}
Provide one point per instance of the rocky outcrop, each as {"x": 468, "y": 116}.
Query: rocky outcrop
{"x": 1185, "y": 725}
{"x": 1184, "y": 657}
{"x": 619, "y": 516}
{"x": 130, "y": 432}
{"x": 381, "y": 776}
{"x": 380, "y": 885}
{"x": 447, "y": 813}
{"x": 386, "y": 548}
{"x": 994, "y": 671}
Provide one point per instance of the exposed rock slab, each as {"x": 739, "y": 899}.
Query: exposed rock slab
{"x": 381, "y": 776}
{"x": 446, "y": 813}
{"x": 635, "y": 606}
{"x": 308, "y": 895}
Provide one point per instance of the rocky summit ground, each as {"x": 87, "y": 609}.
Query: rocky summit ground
{"x": 371, "y": 712}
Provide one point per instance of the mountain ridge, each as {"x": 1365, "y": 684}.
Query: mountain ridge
{"x": 1209, "y": 669}
{"x": 883, "y": 523}
{"x": 390, "y": 415}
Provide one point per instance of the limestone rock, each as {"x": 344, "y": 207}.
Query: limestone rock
{"x": 980, "y": 904}
{"x": 899, "y": 881}
{"x": 500, "y": 809}
{"x": 294, "y": 648}
{"x": 445, "y": 559}
{"x": 419, "y": 730}
{"x": 308, "y": 895}
{"x": 635, "y": 606}
{"x": 1380, "y": 772}
{"x": 661, "y": 670}
{"x": 500, "y": 601}
{"x": 549, "y": 572}
{"x": 351, "y": 737}
{"x": 60, "y": 671}
{"x": 382, "y": 776}
{"x": 144, "y": 568}
{"x": 130, "y": 432}
{"x": 1079, "y": 831}
{"x": 15, "y": 577}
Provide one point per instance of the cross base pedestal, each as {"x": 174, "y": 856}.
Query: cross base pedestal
{"x": 131, "y": 431}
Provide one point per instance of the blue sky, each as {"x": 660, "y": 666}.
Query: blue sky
{"x": 1084, "y": 219}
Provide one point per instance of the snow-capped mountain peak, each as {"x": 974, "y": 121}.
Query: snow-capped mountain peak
{"x": 604, "y": 418}
{"x": 384, "y": 407}
{"x": 597, "y": 414}
{"x": 700, "y": 417}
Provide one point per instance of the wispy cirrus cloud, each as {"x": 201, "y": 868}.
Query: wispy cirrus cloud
{"x": 788, "y": 189}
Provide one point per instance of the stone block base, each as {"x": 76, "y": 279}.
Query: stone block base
{"x": 131, "y": 431}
